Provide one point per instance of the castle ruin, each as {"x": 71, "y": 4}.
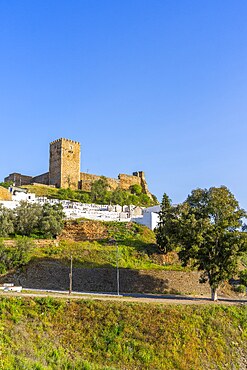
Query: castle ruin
{"x": 64, "y": 171}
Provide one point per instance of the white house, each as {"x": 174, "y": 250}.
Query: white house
{"x": 149, "y": 218}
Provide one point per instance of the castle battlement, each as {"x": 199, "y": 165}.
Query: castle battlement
{"x": 64, "y": 139}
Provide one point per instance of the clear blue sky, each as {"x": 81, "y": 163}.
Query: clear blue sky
{"x": 152, "y": 85}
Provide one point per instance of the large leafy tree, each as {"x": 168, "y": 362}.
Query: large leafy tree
{"x": 51, "y": 220}
{"x": 208, "y": 227}
{"x": 99, "y": 190}
{"x": 27, "y": 217}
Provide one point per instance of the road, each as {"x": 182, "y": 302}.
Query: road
{"x": 138, "y": 298}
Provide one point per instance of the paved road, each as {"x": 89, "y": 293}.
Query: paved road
{"x": 139, "y": 298}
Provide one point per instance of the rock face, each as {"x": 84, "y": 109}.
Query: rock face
{"x": 5, "y": 194}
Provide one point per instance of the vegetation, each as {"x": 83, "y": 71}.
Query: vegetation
{"x": 136, "y": 249}
{"x": 207, "y": 228}
{"x": 100, "y": 194}
{"x": 6, "y": 185}
{"x": 166, "y": 229}
{"x": 32, "y": 219}
{"x": 46, "y": 333}
{"x": 15, "y": 256}
{"x": 243, "y": 277}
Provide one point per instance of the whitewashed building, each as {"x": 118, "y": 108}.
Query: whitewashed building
{"x": 73, "y": 210}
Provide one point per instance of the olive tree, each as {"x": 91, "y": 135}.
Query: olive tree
{"x": 6, "y": 221}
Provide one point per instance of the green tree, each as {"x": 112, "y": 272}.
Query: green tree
{"x": 6, "y": 221}
{"x": 99, "y": 190}
{"x": 167, "y": 228}
{"x": 135, "y": 189}
{"x": 6, "y": 185}
{"x": 15, "y": 256}
{"x": 144, "y": 200}
{"x": 27, "y": 218}
{"x": 5, "y": 257}
{"x": 119, "y": 196}
{"x": 51, "y": 220}
{"x": 21, "y": 252}
{"x": 208, "y": 229}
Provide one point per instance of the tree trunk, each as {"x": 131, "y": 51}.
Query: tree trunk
{"x": 214, "y": 296}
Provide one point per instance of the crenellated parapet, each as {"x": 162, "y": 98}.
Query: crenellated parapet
{"x": 64, "y": 139}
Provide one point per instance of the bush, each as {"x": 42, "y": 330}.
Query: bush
{"x": 15, "y": 256}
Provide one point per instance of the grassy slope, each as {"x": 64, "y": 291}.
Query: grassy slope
{"x": 136, "y": 249}
{"x": 45, "y": 333}
{"x": 42, "y": 191}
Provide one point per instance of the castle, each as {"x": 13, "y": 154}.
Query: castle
{"x": 64, "y": 171}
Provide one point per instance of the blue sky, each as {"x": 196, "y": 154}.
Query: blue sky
{"x": 152, "y": 85}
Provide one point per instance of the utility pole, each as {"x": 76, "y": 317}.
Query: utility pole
{"x": 114, "y": 242}
{"x": 70, "y": 275}
{"x": 117, "y": 269}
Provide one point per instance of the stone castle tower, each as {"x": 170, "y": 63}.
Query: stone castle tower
{"x": 64, "y": 166}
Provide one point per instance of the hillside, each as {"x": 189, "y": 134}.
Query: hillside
{"x": 46, "y": 333}
{"x": 142, "y": 268}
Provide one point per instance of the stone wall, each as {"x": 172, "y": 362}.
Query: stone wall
{"x": 5, "y": 194}
{"x": 41, "y": 179}
{"x": 138, "y": 178}
{"x": 18, "y": 179}
{"x": 87, "y": 179}
{"x": 127, "y": 180}
{"x": 51, "y": 274}
{"x": 123, "y": 181}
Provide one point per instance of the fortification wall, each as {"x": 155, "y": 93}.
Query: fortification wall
{"x": 18, "y": 179}
{"x": 41, "y": 179}
{"x": 87, "y": 179}
{"x": 123, "y": 181}
{"x": 5, "y": 194}
{"x": 126, "y": 181}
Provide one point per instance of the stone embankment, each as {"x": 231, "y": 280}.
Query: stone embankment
{"x": 50, "y": 274}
